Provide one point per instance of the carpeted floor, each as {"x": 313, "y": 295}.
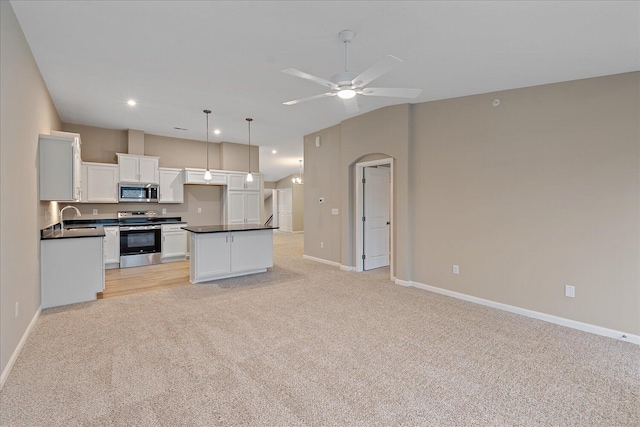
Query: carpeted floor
{"x": 308, "y": 344}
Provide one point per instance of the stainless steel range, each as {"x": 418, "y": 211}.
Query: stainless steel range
{"x": 141, "y": 237}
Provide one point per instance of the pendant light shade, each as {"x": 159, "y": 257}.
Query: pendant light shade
{"x": 298, "y": 179}
{"x": 207, "y": 173}
{"x": 249, "y": 175}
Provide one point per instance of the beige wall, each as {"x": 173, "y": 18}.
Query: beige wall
{"x": 26, "y": 110}
{"x": 322, "y": 179}
{"x": 235, "y": 157}
{"x": 180, "y": 153}
{"x": 297, "y": 201}
{"x": 538, "y": 193}
{"x": 99, "y": 145}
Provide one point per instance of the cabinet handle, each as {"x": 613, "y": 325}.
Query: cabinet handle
{"x": 231, "y": 239}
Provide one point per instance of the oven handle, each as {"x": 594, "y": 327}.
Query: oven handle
{"x": 141, "y": 227}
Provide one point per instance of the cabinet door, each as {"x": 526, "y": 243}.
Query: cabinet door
{"x": 252, "y": 203}
{"x": 111, "y": 245}
{"x": 212, "y": 254}
{"x": 77, "y": 164}
{"x": 148, "y": 169}
{"x": 171, "y": 186}
{"x": 253, "y": 185}
{"x": 174, "y": 244}
{"x": 251, "y": 250}
{"x": 56, "y": 169}
{"x": 128, "y": 168}
{"x": 236, "y": 181}
{"x": 235, "y": 208}
{"x": 102, "y": 183}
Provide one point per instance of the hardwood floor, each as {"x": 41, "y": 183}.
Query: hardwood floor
{"x": 126, "y": 281}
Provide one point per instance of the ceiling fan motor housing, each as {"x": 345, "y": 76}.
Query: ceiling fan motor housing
{"x": 344, "y": 79}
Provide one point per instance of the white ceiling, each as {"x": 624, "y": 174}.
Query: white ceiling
{"x": 176, "y": 58}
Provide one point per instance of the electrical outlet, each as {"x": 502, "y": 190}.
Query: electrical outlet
{"x": 570, "y": 291}
{"x": 17, "y": 310}
{"x": 199, "y": 210}
{"x": 456, "y": 269}
{"x": 164, "y": 211}
{"x": 95, "y": 211}
{"x": 321, "y": 245}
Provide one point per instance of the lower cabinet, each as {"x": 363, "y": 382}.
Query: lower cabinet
{"x": 112, "y": 247}
{"x": 174, "y": 242}
{"x": 230, "y": 254}
{"x": 71, "y": 270}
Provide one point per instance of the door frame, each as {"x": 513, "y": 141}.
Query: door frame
{"x": 359, "y": 205}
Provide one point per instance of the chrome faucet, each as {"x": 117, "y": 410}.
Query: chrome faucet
{"x": 62, "y": 210}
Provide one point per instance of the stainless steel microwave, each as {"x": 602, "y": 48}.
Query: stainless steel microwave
{"x": 141, "y": 193}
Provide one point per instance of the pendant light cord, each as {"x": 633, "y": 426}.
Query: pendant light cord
{"x": 207, "y": 112}
{"x": 249, "y": 120}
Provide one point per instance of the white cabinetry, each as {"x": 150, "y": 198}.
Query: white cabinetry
{"x": 135, "y": 168}
{"x": 196, "y": 176}
{"x": 230, "y": 254}
{"x": 239, "y": 182}
{"x": 71, "y": 270}
{"x": 174, "y": 242}
{"x": 59, "y": 167}
{"x": 243, "y": 207}
{"x": 171, "y": 185}
{"x": 111, "y": 247}
{"x": 99, "y": 183}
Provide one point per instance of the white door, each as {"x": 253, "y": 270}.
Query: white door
{"x": 285, "y": 210}
{"x": 376, "y": 217}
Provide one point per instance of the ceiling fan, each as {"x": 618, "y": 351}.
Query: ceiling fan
{"x": 348, "y": 84}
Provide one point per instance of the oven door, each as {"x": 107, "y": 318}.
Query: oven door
{"x": 140, "y": 245}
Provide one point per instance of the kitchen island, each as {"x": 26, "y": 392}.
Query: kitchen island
{"x": 221, "y": 251}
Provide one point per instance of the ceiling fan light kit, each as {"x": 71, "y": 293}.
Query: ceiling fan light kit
{"x": 347, "y": 84}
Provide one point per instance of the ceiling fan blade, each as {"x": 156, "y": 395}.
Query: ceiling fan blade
{"x": 315, "y": 79}
{"x": 298, "y": 101}
{"x": 391, "y": 91}
{"x": 351, "y": 105}
{"x": 376, "y": 70}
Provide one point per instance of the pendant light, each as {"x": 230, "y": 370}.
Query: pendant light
{"x": 298, "y": 180}
{"x": 249, "y": 176}
{"x": 207, "y": 173}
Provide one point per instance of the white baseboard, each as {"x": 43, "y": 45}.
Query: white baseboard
{"x": 574, "y": 324}
{"x": 322, "y": 261}
{"x": 16, "y": 352}
{"x": 347, "y": 268}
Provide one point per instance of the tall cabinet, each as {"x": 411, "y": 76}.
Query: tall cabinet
{"x": 243, "y": 199}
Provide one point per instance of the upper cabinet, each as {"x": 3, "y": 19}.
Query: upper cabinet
{"x": 60, "y": 167}
{"x": 237, "y": 181}
{"x": 196, "y": 176}
{"x": 171, "y": 185}
{"x": 134, "y": 168}
{"x": 99, "y": 183}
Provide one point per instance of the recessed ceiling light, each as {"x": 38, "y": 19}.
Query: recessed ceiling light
{"x": 131, "y": 102}
{"x": 217, "y": 131}
{"x": 274, "y": 151}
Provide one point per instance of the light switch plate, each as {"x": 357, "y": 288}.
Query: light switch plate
{"x": 570, "y": 291}
{"x": 456, "y": 269}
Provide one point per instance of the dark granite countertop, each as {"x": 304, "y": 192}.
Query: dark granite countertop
{"x": 75, "y": 233}
{"x": 225, "y": 228}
